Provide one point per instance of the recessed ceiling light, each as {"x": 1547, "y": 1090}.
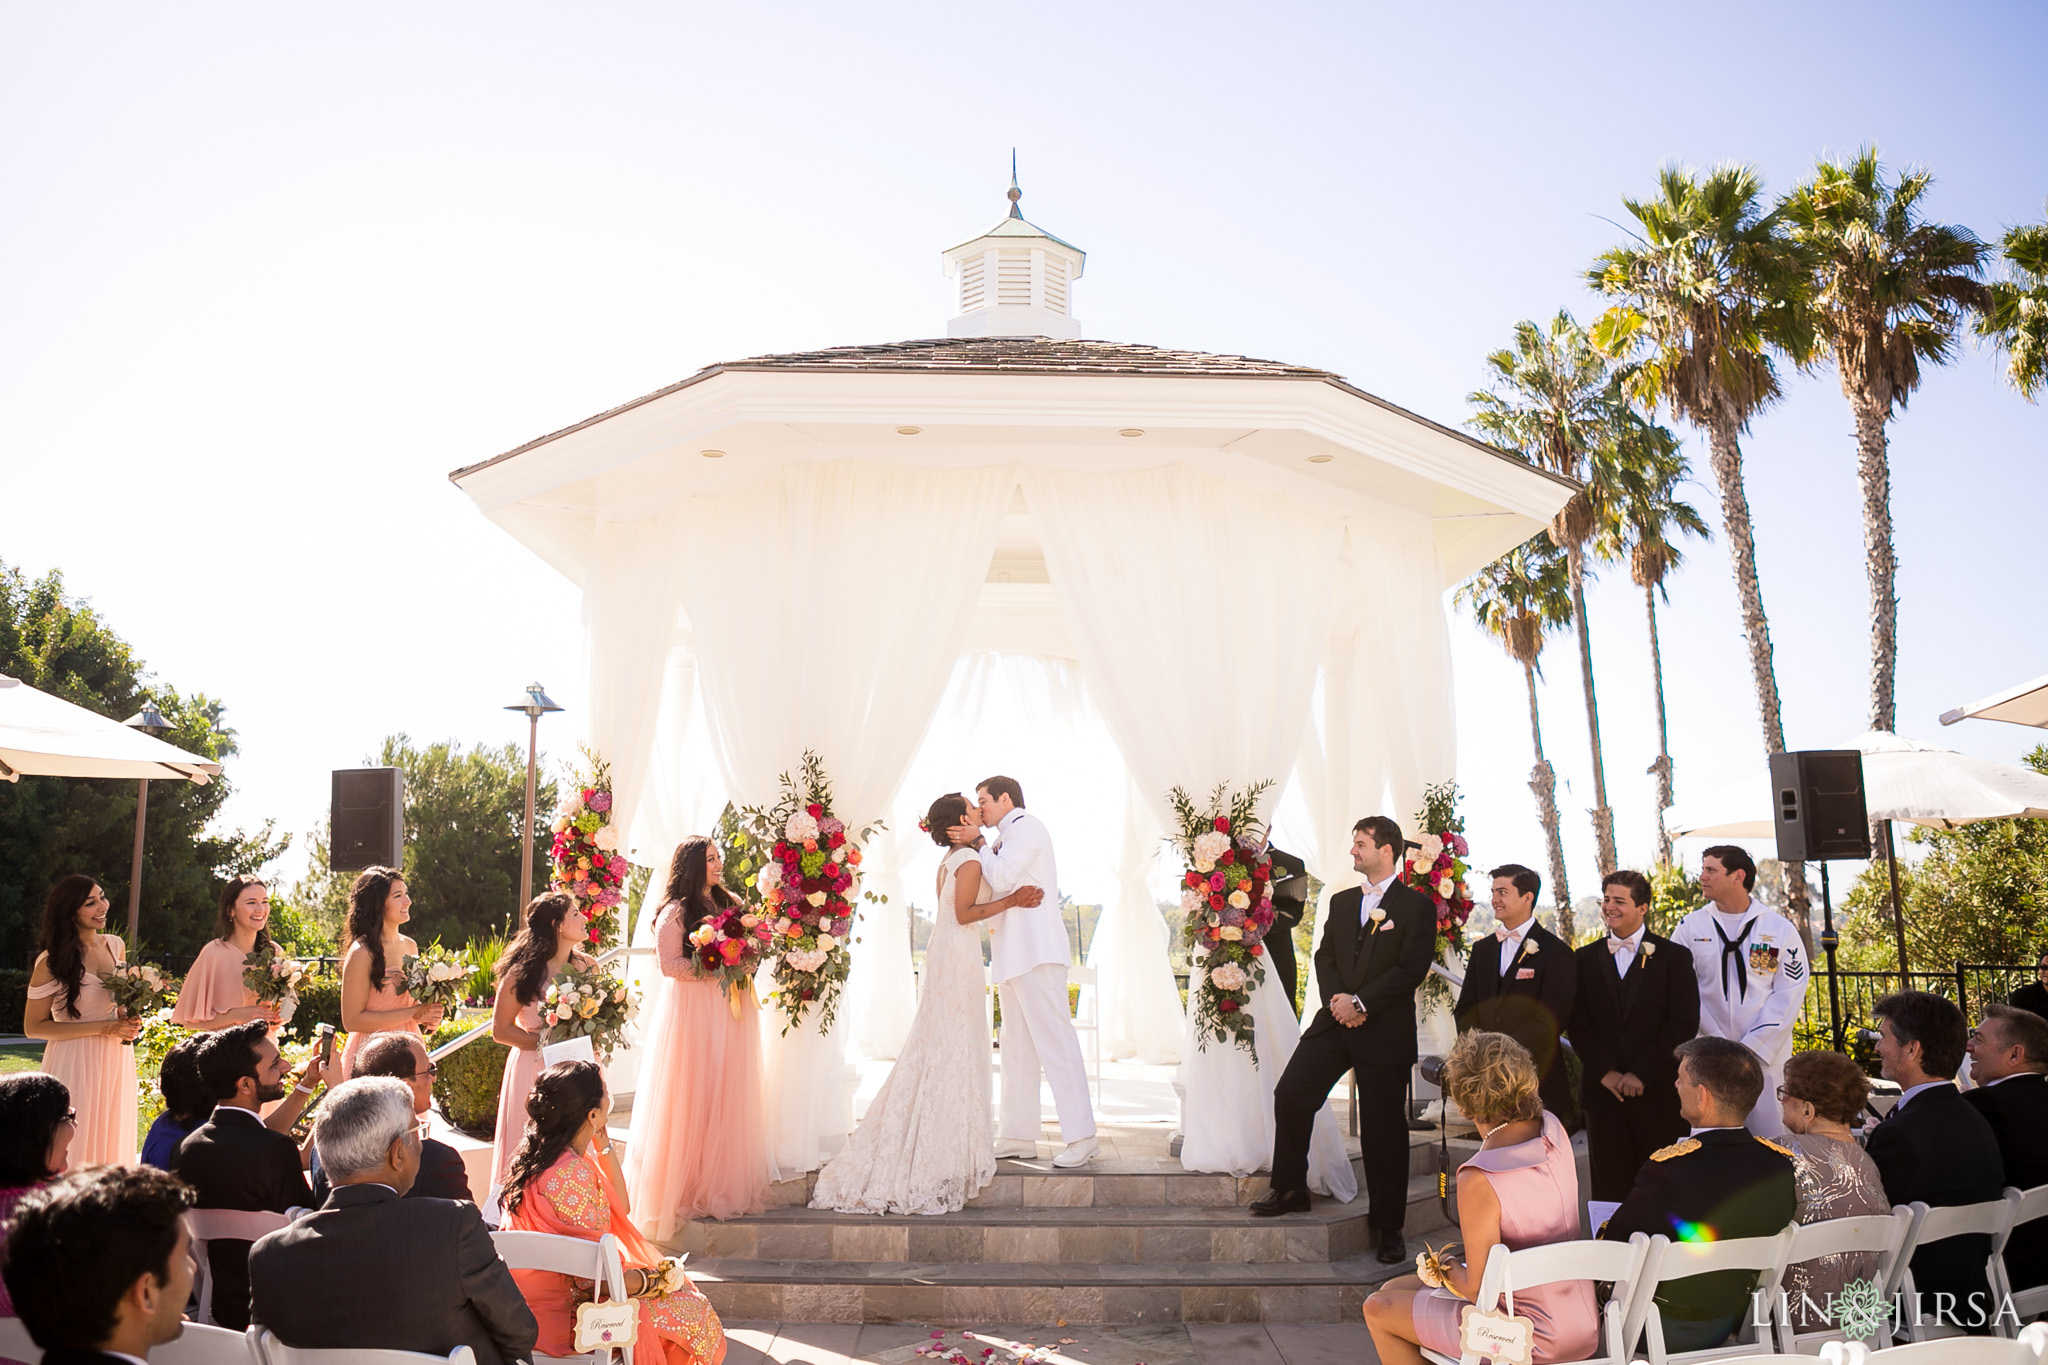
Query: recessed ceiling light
{"x": 712, "y": 454}
{"x": 1132, "y": 431}
{"x": 908, "y": 431}
{"x": 1321, "y": 459}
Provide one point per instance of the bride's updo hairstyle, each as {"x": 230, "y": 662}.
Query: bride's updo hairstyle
{"x": 945, "y": 813}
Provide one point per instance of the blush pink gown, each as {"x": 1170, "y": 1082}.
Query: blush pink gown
{"x": 98, "y": 1070}
{"x": 698, "y": 1145}
{"x": 521, "y": 1066}
{"x": 213, "y": 986}
{"x": 382, "y": 997}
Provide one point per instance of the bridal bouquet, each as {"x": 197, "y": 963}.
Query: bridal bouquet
{"x": 586, "y": 857}
{"x": 433, "y": 978}
{"x": 274, "y": 978}
{"x": 807, "y": 884}
{"x": 1227, "y": 897}
{"x": 138, "y": 989}
{"x": 1438, "y": 869}
{"x": 586, "y": 1002}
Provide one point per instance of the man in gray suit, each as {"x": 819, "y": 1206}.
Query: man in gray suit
{"x": 370, "y": 1268}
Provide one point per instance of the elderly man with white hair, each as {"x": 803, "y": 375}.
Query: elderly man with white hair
{"x": 371, "y": 1269}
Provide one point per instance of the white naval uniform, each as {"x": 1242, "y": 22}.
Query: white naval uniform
{"x": 1753, "y": 994}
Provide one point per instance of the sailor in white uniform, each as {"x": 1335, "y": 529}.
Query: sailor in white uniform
{"x": 1752, "y": 972}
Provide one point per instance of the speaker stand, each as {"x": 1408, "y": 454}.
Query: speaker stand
{"x": 1828, "y": 943}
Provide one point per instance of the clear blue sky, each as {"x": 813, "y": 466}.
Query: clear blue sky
{"x": 269, "y": 273}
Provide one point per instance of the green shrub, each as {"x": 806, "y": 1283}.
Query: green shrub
{"x": 13, "y": 998}
{"x": 159, "y": 1035}
{"x": 319, "y": 1003}
{"x": 467, "y": 1086}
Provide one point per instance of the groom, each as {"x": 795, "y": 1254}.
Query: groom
{"x": 1030, "y": 960}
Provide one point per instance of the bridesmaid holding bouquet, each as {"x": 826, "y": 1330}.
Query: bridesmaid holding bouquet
{"x": 84, "y": 1035}
{"x": 214, "y": 996}
{"x": 554, "y": 926}
{"x": 373, "y": 999}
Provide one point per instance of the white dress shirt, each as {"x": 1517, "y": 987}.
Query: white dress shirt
{"x": 1369, "y": 896}
{"x": 1924, "y": 1085}
{"x": 1625, "y": 953}
{"x": 1028, "y": 936}
{"x": 1512, "y": 944}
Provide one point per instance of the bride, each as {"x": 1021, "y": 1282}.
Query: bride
{"x": 926, "y": 1143}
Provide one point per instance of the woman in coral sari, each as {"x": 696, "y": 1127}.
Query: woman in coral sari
{"x": 565, "y": 1180}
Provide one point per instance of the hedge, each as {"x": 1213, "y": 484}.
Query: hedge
{"x": 467, "y": 1086}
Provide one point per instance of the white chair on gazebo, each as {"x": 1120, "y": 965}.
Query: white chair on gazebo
{"x": 1668, "y": 1260}
{"x": 1992, "y": 1218}
{"x": 1886, "y": 1234}
{"x": 1089, "y": 1019}
{"x": 1510, "y": 1271}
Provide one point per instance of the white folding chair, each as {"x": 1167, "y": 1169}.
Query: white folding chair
{"x": 1991, "y": 1218}
{"x": 597, "y": 1261}
{"x": 270, "y": 1351}
{"x": 2025, "y": 1302}
{"x": 17, "y": 1344}
{"x": 199, "y": 1344}
{"x": 1959, "y": 1351}
{"x": 1670, "y": 1260}
{"x": 232, "y": 1225}
{"x": 1510, "y": 1272}
{"x": 1885, "y": 1234}
{"x": 1089, "y": 1020}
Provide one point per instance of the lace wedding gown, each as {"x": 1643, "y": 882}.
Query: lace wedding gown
{"x": 927, "y": 1142}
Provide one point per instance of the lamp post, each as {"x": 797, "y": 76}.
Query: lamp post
{"x": 536, "y": 705}
{"x": 151, "y": 722}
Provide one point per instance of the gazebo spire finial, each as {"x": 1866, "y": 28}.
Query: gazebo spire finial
{"x": 1015, "y": 193}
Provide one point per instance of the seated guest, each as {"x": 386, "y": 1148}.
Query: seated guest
{"x": 1522, "y": 982}
{"x": 232, "y": 1161}
{"x": 2008, "y": 1053}
{"x": 100, "y": 1264}
{"x": 1822, "y": 1094}
{"x": 372, "y": 1269}
{"x": 564, "y": 1179}
{"x": 2033, "y": 996}
{"x": 403, "y": 1057}
{"x": 1721, "y": 1183}
{"x": 1935, "y": 1147}
{"x": 186, "y": 1104}
{"x": 1520, "y": 1190}
{"x": 36, "y": 1124}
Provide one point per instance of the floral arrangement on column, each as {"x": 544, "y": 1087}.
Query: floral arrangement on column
{"x": 587, "y": 862}
{"x": 1438, "y": 870}
{"x": 807, "y": 884}
{"x": 1227, "y": 898}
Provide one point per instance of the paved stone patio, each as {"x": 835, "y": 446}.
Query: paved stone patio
{"x": 1275, "y": 1343}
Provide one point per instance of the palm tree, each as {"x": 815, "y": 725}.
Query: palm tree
{"x": 2017, "y": 319}
{"x": 1645, "y": 518}
{"x": 1709, "y": 291}
{"x": 1890, "y": 292}
{"x": 1550, "y": 401}
{"x": 1518, "y": 599}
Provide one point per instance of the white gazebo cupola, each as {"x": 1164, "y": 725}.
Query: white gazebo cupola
{"x": 1016, "y": 280}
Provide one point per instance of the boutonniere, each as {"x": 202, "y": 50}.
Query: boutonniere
{"x": 1648, "y": 950}
{"x": 1529, "y": 948}
{"x": 1376, "y": 914}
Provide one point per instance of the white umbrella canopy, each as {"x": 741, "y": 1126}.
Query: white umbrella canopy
{"x": 46, "y": 736}
{"x": 2026, "y": 704}
{"x": 1903, "y": 779}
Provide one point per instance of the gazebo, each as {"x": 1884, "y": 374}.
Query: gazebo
{"x": 1245, "y": 559}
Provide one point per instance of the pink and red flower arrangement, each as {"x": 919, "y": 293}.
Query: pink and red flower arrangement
{"x": 1438, "y": 868}
{"x": 807, "y": 886}
{"x": 588, "y": 863}
{"x": 1227, "y": 897}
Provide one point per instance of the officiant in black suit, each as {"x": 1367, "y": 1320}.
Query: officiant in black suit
{"x": 1637, "y": 1000}
{"x": 1290, "y": 903}
{"x": 1521, "y": 982}
{"x": 1374, "y": 953}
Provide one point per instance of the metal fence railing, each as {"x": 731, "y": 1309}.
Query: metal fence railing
{"x": 1972, "y": 985}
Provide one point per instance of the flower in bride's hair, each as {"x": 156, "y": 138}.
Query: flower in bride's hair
{"x": 924, "y": 824}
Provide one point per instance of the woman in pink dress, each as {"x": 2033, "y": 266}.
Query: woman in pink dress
{"x": 213, "y": 996}
{"x": 554, "y": 926}
{"x": 85, "y": 1038}
{"x": 565, "y": 1180}
{"x": 698, "y": 1144}
{"x": 1520, "y": 1190}
{"x": 371, "y": 1001}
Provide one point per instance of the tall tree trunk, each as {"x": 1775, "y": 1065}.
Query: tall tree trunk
{"x": 1661, "y": 769}
{"x": 1880, "y": 562}
{"x": 1725, "y": 455}
{"x": 1543, "y": 782}
{"x": 1603, "y": 815}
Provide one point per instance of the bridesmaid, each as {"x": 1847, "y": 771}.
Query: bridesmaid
{"x": 698, "y": 1143}
{"x": 554, "y": 926}
{"x": 371, "y": 1001}
{"x": 213, "y": 996}
{"x": 70, "y": 1010}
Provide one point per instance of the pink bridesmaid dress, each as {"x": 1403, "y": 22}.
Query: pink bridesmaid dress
{"x": 698, "y": 1144}
{"x": 213, "y": 986}
{"x": 98, "y": 1070}
{"x": 521, "y": 1066}
{"x": 382, "y": 997}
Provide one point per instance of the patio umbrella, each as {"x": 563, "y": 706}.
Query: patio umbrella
{"x": 2026, "y": 704}
{"x": 46, "y": 736}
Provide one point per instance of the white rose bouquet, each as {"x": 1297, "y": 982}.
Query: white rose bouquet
{"x": 433, "y": 978}
{"x": 274, "y": 978}
{"x": 139, "y": 990}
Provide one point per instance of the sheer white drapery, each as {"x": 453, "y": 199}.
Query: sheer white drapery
{"x": 1137, "y": 1003}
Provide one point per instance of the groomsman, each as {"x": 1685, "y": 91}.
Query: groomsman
{"x": 1290, "y": 903}
{"x": 1751, "y": 969}
{"x": 1374, "y": 953}
{"x": 1521, "y": 982}
{"x": 1637, "y": 1000}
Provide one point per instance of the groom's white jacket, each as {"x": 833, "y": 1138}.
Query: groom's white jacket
{"x": 1024, "y": 937}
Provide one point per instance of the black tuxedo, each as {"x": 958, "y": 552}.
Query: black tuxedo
{"x": 369, "y": 1269}
{"x": 1531, "y": 1003}
{"x": 1631, "y": 1024}
{"x": 1382, "y": 968}
{"x": 442, "y": 1175}
{"x": 1728, "y": 1184}
{"x": 1937, "y": 1148}
{"x": 2017, "y": 1110}
{"x": 234, "y": 1162}
{"x": 1290, "y": 903}
{"x": 2033, "y": 997}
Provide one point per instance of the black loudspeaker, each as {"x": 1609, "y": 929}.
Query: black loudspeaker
{"x": 367, "y": 819}
{"x": 1820, "y": 813}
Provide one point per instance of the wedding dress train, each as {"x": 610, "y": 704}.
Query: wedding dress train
{"x": 927, "y": 1142}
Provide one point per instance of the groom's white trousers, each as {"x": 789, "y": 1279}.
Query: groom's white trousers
{"x": 1038, "y": 1032}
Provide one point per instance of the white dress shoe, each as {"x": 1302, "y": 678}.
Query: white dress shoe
{"x": 1078, "y": 1153}
{"x": 1017, "y": 1148}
